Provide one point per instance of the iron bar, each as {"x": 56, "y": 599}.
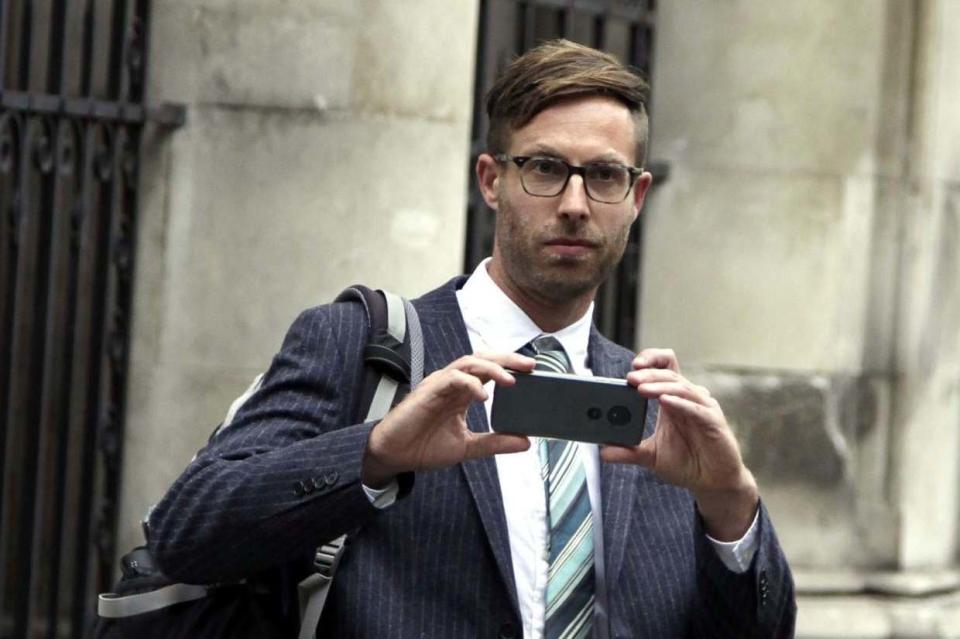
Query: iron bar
{"x": 56, "y": 67}
{"x": 4, "y": 35}
{"x": 118, "y": 47}
{"x": 23, "y": 58}
{"x": 167, "y": 115}
{"x": 86, "y": 55}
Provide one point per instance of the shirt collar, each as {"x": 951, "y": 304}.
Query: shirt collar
{"x": 504, "y": 327}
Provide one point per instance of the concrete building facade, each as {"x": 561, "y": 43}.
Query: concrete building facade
{"x": 803, "y": 258}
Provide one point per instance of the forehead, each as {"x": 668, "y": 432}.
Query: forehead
{"x": 581, "y": 129}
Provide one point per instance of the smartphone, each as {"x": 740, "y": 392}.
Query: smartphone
{"x": 587, "y": 409}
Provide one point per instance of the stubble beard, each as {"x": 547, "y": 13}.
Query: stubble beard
{"x": 554, "y": 279}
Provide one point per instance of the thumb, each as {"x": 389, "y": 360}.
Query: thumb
{"x": 489, "y": 444}
{"x": 644, "y": 454}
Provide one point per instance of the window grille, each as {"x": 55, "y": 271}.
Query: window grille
{"x": 71, "y": 118}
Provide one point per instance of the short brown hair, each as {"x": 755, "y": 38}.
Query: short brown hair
{"x": 556, "y": 70}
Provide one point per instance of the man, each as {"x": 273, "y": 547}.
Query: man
{"x": 457, "y": 531}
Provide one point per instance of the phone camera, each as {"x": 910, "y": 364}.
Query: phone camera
{"x": 619, "y": 415}
{"x": 594, "y": 413}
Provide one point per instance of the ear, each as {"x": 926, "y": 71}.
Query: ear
{"x": 640, "y": 191}
{"x": 488, "y": 177}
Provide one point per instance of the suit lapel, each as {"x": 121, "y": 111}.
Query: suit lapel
{"x": 620, "y": 483}
{"x": 445, "y": 337}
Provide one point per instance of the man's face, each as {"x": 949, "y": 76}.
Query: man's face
{"x": 560, "y": 249}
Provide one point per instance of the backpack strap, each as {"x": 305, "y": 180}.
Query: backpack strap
{"x": 112, "y": 606}
{"x": 393, "y": 362}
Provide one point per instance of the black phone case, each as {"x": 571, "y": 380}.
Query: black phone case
{"x": 586, "y": 409}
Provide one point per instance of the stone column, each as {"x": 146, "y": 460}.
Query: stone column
{"x": 326, "y": 145}
{"x": 927, "y": 400}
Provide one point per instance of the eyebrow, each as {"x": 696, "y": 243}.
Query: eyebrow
{"x": 549, "y": 151}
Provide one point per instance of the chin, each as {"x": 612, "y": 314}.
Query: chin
{"x": 564, "y": 287}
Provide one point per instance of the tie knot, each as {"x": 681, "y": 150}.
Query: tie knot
{"x": 549, "y": 353}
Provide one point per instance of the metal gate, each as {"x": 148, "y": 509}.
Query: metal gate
{"x": 71, "y": 118}
{"x": 510, "y": 27}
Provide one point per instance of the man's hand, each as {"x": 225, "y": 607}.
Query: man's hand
{"x": 428, "y": 429}
{"x": 692, "y": 447}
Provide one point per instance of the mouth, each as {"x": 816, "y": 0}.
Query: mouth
{"x": 571, "y": 246}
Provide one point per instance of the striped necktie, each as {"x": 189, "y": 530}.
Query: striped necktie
{"x": 570, "y": 580}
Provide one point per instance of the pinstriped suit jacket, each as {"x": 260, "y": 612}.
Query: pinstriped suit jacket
{"x": 286, "y": 477}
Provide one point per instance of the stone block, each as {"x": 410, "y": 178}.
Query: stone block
{"x": 273, "y": 214}
{"x": 936, "y": 150}
{"x": 817, "y": 446}
{"x": 373, "y": 56}
{"x": 777, "y": 86}
{"x": 761, "y": 269}
{"x": 415, "y": 59}
{"x": 874, "y": 617}
{"x": 261, "y": 54}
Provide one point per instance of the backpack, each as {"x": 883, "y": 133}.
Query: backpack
{"x": 146, "y": 604}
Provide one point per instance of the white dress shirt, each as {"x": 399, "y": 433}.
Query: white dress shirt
{"x": 495, "y": 324}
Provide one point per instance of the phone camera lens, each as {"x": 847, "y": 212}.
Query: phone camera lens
{"x": 594, "y": 413}
{"x": 619, "y": 415}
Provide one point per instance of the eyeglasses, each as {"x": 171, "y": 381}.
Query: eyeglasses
{"x": 543, "y": 176}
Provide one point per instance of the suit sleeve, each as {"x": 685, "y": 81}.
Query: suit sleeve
{"x": 759, "y": 603}
{"x": 284, "y": 477}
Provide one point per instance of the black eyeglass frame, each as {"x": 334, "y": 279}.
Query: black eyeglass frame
{"x": 572, "y": 169}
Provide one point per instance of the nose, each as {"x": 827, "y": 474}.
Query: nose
{"x": 573, "y": 199}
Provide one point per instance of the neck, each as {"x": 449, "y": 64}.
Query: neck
{"x": 549, "y": 315}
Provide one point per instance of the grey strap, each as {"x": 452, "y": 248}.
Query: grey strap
{"x": 416, "y": 344}
{"x": 314, "y": 589}
{"x": 113, "y": 606}
{"x": 396, "y": 322}
{"x": 401, "y": 318}
{"x": 382, "y": 398}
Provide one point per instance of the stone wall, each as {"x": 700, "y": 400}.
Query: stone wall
{"x": 802, "y": 260}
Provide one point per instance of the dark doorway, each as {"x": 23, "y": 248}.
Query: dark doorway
{"x": 510, "y": 27}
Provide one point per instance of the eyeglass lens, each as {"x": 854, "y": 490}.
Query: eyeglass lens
{"x": 547, "y": 177}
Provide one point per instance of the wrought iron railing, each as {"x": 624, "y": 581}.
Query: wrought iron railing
{"x": 510, "y": 27}
{"x": 72, "y": 114}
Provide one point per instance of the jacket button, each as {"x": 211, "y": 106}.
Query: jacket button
{"x": 508, "y": 631}
{"x": 317, "y": 483}
{"x": 331, "y": 478}
{"x": 299, "y": 489}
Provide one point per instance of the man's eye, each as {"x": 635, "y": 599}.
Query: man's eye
{"x": 546, "y": 166}
{"x": 604, "y": 172}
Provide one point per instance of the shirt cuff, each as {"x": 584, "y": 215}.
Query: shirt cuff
{"x": 736, "y": 555}
{"x": 383, "y": 497}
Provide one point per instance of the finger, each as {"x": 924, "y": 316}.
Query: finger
{"x": 688, "y": 391}
{"x": 482, "y": 369}
{"x": 489, "y": 444}
{"x": 690, "y": 409}
{"x": 514, "y": 361}
{"x": 657, "y": 358}
{"x": 645, "y": 375}
{"x": 487, "y": 369}
{"x": 460, "y": 388}
{"x": 645, "y": 454}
